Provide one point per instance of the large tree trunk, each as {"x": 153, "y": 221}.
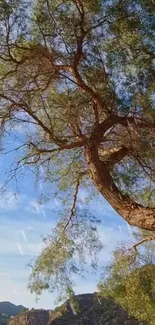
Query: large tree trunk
{"x": 134, "y": 213}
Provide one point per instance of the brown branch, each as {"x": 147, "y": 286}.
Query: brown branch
{"x": 73, "y": 207}
{"x": 113, "y": 156}
{"x": 144, "y": 167}
{"x": 95, "y": 95}
{"x": 117, "y": 156}
{"x": 113, "y": 120}
{"x": 72, "y": 211}
{"x": 142, "y": 241}
{"x": 56, "y": 140}
{"x": 78, "y": 55}
{"x": 72, "y": 145}
{"x": 72, "y": 69}
{"x": 96, "y": 113}
{"x": 134, "y": 247}
{"x": 134, "y": 213}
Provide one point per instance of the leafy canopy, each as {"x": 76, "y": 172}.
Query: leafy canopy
{"x": 78, "y": 78}
{"x": 130, "y": 278}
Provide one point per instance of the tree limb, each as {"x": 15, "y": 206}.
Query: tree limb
{"x": 134, "y": 213}
{"x": 142, "y": 241}
{"x": 72, "y": 211}
{"x": 113, "y": 120}
{"x": 72, "y": 145}
{"x": 134, "y": 247}
{"x": 113, "y": 156}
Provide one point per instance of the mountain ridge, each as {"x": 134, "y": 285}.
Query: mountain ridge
{"x": 10, "y": 309}
{"x": 92, "y": 310}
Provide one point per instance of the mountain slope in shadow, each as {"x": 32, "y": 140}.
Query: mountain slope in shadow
{"x": 92, "y": 311}
{"x": 10, "y": 309}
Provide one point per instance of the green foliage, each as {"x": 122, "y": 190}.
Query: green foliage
{"x": 135, "y": 292}
{"x": 130, "y": 279}
{"x": 117, "y": 52}
{"x": 67, "y": 66}
{"x": 65, "y": 255}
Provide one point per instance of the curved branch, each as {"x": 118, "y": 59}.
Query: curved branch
{"x": 112, "y": 120}
{"x": 113, "y": 156}
{"x": 134, "y": 247}
{"x": 117, "y": 156}
{"x": 78, "y": 55}
{"x": 71, "y": 145}
{"x": 142, "y": 241}
{"x": 73, "y": 208}
{"x": 95, "y": 95}
{"x": 135, "y": 214}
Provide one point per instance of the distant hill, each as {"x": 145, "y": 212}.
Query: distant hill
{"x": 7, "y": 309}
{"x": 3, "y": 319}
{"x": 10, "y": 309}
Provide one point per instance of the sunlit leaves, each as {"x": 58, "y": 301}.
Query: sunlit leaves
{"x": 66, "y": 67}
{"x": 66, "y": 254}
{"x": 130, "y": 278}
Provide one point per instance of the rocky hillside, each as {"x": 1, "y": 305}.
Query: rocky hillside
{"x": 91, "y": 311}
{"x": 32, "y": 317}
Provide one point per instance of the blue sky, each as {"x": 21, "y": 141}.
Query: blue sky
{"x": 23, "y": 222}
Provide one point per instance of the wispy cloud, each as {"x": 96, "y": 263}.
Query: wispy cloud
{"x": 20, "y": 241}
{"x": 8, "y": 202}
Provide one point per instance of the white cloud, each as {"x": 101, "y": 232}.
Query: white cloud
{"x": 85, "y": 286}
{"x": 17, "y": 292}
{"x": 42, "y": 209}
{"x": 14, "y": 288}
{"x": 20, "y": 241}
{"x": 111, "y": 237}
{"x": 11, "y": 201}
{"x": 13, "y": 247}
{"x": 34, "y": 207}
{"x": 22, "y": 237}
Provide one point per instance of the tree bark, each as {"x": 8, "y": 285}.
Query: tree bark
{"x": 132, "y": 212}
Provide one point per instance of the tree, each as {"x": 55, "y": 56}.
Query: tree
{"x": 78, "y": 76}
{"x": 129, "y": 279}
